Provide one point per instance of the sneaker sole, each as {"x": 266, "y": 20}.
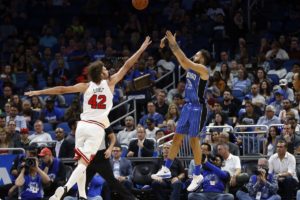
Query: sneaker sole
{"x": 161, "y": 176}
{"x": 59, "y": 192}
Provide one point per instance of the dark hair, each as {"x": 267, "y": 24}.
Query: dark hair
{"x": 206, "y": 56}
{"x": 268, "y": 90}
{"x": 227, "y": 72}
{"x": 269, "y": 140}
{"x": 159, "y": 130}
{"x": 208, "y": 146}
{"x": 118, "y": 146}
{"x": 284, "y": 142}
{"x": 95, "y": 70}
{"x": 72, "y": 122}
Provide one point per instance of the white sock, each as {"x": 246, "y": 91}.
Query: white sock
{"x": 76, "y": 175}
{"x": 81, "y": 186}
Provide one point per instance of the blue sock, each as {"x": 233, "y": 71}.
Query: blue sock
{"x": 197, "y": 170}
{"x": 168, "y": 163}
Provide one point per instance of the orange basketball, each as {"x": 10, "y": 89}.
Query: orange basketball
{"x": 140, "y": 4}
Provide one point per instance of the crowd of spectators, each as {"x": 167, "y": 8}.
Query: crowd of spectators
{"x": 50, "y": 43}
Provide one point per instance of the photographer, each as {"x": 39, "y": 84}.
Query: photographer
{"x": 262, "y": 185}
{"x": 31, "y": 179}
{"x": 54, "y": 168}
{"x": 214, "y": 182}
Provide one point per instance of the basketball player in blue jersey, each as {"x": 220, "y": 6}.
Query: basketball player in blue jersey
{"x": 194, "y": 112}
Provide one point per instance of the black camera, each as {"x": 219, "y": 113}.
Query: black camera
{"x": 30, "y": 162}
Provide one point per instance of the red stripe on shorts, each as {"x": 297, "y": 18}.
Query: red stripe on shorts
{"x": 94, "y": 122}
{"x": 78, "y": 152}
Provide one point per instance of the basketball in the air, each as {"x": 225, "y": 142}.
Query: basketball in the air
{"x": 140, "y": 4}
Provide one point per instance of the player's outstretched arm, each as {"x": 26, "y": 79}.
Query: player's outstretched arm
{"x": 80, "y": 87}
{"x": 129, "y": 63}
{"x": 185, "y": 62}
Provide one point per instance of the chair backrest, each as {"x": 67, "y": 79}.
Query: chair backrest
{"x": 142, "y": 173}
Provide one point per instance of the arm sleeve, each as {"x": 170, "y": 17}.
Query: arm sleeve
{"x": 222, "y": 174}
{"x": 272, "y": 184}
{"x": 147, "y": 150}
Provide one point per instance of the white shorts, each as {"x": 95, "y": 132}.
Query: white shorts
{"x": 88, "y": 138}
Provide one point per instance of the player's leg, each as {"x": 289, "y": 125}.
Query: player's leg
{"x": 182, "y": 127}
{"x": 197, "y": 122}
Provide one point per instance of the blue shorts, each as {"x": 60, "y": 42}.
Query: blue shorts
{"x": 192, "y": 119}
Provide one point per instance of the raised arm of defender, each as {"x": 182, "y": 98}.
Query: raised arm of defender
{"x": 128, "y": 64}
{"x": 185, "y": 62}
{"x": 80, "y": 87}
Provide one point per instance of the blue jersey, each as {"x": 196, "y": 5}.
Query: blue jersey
{"x": 32, "y": 188}
{"x": 195, "y": 88}
{"x": 193, "y": 114}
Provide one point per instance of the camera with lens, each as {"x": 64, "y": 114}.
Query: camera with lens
{"x": 30, "y": 162}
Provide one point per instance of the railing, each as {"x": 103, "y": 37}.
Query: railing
{"x": 216, "y": 127}
{"x": 128, "y": 113}
{"x": 165, "y": 76}
{"x": 251, "y": 139}
{"x": 13, "y": 149}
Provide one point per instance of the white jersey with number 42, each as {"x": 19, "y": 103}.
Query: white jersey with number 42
{"x": 97, "y": 103}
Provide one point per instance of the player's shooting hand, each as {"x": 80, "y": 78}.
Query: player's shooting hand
{"x": 171, "y": 38}
{"x": 107, "y": 153}
{"x": 146, "y": 43}
{"x": 31, "y": 93}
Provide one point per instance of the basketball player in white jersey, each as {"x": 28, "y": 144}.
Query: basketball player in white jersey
{"x": 97, "y": 103}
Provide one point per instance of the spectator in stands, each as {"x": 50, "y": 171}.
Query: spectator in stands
{"x": 296, "y": 103}
{"x": 294, "y": 51}
{"x": 54, "y": 168}
{"x": 232, "y": 164}
{"x": 39, "y": 135}
{"x": 16, "y": 117}
{"x": 242, "y": 82}
{"x": 122, "y": 168}
{"x": 161, "y": 104}
{"x": 13, "y": 134}
{"x": 283, "y": 165}
{"x": 2, "y": 121}
{"x": 288, "y": 92}
{"x": 226, "y": 75}
{"x": 296, "y": 81}
{"x": 291, "y": 139}
{"x": 290, "y": 75}
{"x": 230, "y": 106}
{"x": 141, "y": 147}
{"x": 29, "y": 114}
{"x": 206, "y": 152}
{"x": 214, "y": 182}
{"x": 224, "y": 138}
{"x": 7, "y": 95}
{"x": 63, "y": 148}
{"x": 287, "y": 107}
{"x": 249, "y": 117}
{"x": 61, "y": 74}
{"x": 24, "y": 141}
{"x": 158, "y": 118}
{"x": 178, "y": 100}
{"x": 270, "y": 143}
{"x": 17, "y": 102}
{"x": 31, "y": 180}
{"x": 178, "y": 90}
{"x": 174, "y": 183}
{"x": 72, "y": 123}
{"x": 73, "y": 111}
{"x": 7, "y": 76}
{"x": 172, "y": 114}
{"x": 269, "y": 118}
{"x": 159, "y": 134}
{"x": 54, "y": 63}
{"x": 219, "y": 121}
{"x": 48, "y": 40}
{"x": 5, "y": 141}
{"x": 151, "y": 128}
{"x": 51, "y": 114}
{"x": 257, "y": 99}
{"x": 218, "y": 82}
{"x": 37, "y": 103}
{"x": 277, "y": 104}
{"x": 129, "y": 132}
{"x": 276, "y": 52}
{"x": 262, "y": 185}
{"x": 217, "y": 108}
{"x": 265, "y": 90}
